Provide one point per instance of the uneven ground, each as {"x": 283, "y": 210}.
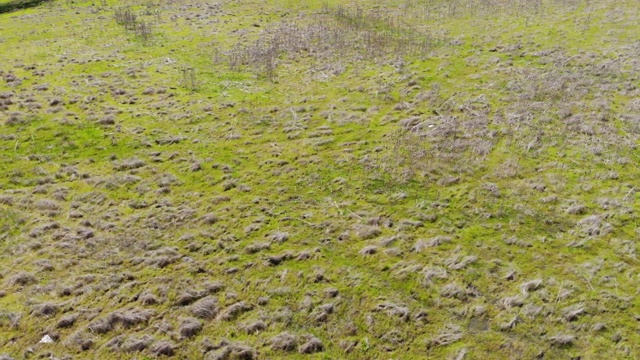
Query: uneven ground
{"x": 260, "y": 179}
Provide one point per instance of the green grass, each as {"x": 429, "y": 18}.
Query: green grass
{"x": 410, "y": 183}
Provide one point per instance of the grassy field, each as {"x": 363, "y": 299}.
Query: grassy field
{"x": 265, "y": 179}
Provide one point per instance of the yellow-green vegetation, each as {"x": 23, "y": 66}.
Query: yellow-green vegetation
{"x": 264, "y": 179}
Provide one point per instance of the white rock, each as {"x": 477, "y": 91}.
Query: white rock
{"x": 46, "y": 340}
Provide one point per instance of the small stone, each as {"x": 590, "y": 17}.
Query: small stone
{"x": 46, "y": 340}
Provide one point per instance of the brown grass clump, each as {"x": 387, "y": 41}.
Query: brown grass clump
{"x": 233, "y": 351}
{"x": 530, "y": 286}
{"x": 213, "y": 287}
{"x": 283, "y": 342}
{"x": 573, "y": 312}
{"x": 45, "y": 309}
{"x": 273, "y": 260}
{"x": 394, "y": 310}
{"x": 22, "y": 278}
{"x": 234, "y": 310}
{"x": 100, "y": 326}
{"x": 81, "y": 340}
{"x": 164, "y": 347}
{"x": 209, "y": 219}
{"x": 129, "y": 164}
{"x": 136, "y": 344}
{"x": 366, "y": 232}
{"x": 448, "y": 336}
{"x": 280, "y": 237}
{"x": 131, "y": 317}
{"x": 312, "y": 345}
{"x": 127, "y": 319}
{"x": 254, "y": 327}
{"x": 147, "y": 298}
{"x": 187, "y": 298}
{"x": 67, "y": 320}
{"x": 458, "y": 262}
{"x": 562, "y": 340}
{"x": 10, "y": 320}
{"x": 46, "y": 204}
{"x": 257, "y": 247}
{"x": 44, "y": 265}
{"x": 369, "y": 250}
{"x": 205, "y": 308}
{"x": 190, "y": 327}
{"x": 453, "y": 290}
{"x": 511, "y": 301}
{"x": 6, "y": 200}
{"x": 115, "y": 343}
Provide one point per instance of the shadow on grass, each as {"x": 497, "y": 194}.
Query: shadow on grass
{"x": 13, "y": 5}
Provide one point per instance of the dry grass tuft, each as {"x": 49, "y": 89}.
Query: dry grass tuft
{"x": 257, "y": 247}
{"x": 369, "y": 250}
{"x": 254, "y": 327}
{"x": 81, "y": 340}
{"x": 283, "y": 342}
{"x": 366, "y": 232}
{"x": 233, "y": 351}
{"x": 205, "y": 308}
{"x": 447, "y": 336}
{"x": 530, "y": 286}
{"x": 129, "y": 164}
{"x": 67, "y": 320}
{"x": 573, "y": 312}
{"x": 100, "y": 326}
{"x": 22, "y": 278}
{"x": 131, "y": 317}
{"x": 311, "y": 345}
{"x": 137, "y": 344}
{"x": 232, "y": 311}
{"x": 147, "y": 298}
{"x": 511, "y": 301}
{"x": 47, "y": 205}
{"x": 45, "y": 309}
{"x": 562, "y": 340}
{"x": 163, "y": 348}
{"x": 188, "y": 297}
{"x": 394, "y": 310}
{"x": 127, "y": 319}
{"x": 190, "y": 327}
